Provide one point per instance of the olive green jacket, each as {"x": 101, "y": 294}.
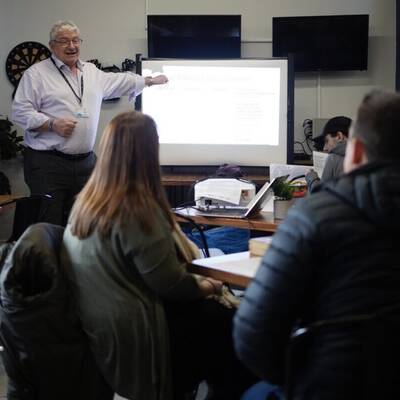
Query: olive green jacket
{"x": 119, "y": 282}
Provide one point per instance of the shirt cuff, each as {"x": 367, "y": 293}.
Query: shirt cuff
{"x": 139, "y": 86}
{"x": 36, "y": 122}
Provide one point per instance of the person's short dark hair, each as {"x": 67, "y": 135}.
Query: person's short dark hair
{"x": 229, "y": 171}
{"x": 333, "y": 126}
{"x": 378, "y": 125}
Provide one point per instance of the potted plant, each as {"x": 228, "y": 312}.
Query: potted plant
{"x": 10, "y": 146}
{"x": 10, "y": 143}
{"x": 285, "y": 194}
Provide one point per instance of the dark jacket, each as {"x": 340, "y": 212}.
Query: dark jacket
{"x": 335, "y": 255}
{"x": 46, "y": 355}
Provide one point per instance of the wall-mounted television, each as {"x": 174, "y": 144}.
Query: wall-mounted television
{"x": 194, "y": 36}
{"x": 322, "y": 43}
{"x": 222, "y": 111}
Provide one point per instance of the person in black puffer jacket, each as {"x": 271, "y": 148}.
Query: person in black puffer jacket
{"x": 46, "y": 353}
{"x": 336, "y": 255}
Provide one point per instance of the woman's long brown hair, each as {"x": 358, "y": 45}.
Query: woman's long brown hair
{"x": 126, "y": 181}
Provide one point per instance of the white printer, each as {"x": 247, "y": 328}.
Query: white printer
{"x": 223, "y": 192}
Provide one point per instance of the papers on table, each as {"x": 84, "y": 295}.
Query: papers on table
{"x": 276, "y": 170}
{"x": 237, "y": 263}
{"x": 319, "y": 161}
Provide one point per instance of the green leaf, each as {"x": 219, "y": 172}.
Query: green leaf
{"x": 284, "y": 190}
{"x": 9, "y": 141}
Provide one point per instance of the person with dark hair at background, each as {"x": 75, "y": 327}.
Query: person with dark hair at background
{"x": 127, "y": 261}
{"x": 335, "y": 256}
{"x": 334, "y": 137}
{"x": 58, "y": 103}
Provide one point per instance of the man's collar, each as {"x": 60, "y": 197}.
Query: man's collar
{"x": 60, "y": 64}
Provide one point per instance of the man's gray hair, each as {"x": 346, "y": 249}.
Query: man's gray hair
{"x": 62, "y": 26}
{"x": 378, "y": 124}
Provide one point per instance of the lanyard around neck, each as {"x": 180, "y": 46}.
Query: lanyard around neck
{"x": 68, "y": 83}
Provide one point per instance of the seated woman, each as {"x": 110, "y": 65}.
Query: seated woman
{"x": 127, "y": 261}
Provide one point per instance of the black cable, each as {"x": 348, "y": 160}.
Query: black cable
{"x": 200, "y": 229}
{"x": 308, "y": 140}
{"x": 184, "y": 205}
{"x": 307, "y": 125}
{"x": 297, "y": 177}
{"x": 190, "y": 192}
{"x": 302, "y": 146}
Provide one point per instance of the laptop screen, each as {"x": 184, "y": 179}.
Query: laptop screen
{"x": 263, "y": 195}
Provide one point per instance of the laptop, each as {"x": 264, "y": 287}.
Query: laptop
{"x": 255, "y": 205}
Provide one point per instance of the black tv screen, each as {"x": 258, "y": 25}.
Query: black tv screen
{"x": 322, "y": 43}
{"x": 194, "y": 36}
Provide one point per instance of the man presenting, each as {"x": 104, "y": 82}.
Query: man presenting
{"x": 335, "y": 256}
{"x": 58, "y": 103}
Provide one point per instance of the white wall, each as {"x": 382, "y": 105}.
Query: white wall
{"x": 5, "y": 86}
{"x": 115, "y": 30}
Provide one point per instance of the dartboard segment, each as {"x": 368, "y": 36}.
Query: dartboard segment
{"x": 22, "y": 56}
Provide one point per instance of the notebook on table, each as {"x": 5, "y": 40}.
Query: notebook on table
{"x": 254, "y": 206}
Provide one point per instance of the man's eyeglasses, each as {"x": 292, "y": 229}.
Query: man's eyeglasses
{"x": 66, "y": 42}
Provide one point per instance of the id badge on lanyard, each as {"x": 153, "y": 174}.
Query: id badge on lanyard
{"x": 81, "y": 112}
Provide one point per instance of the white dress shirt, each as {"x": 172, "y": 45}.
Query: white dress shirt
{"x": 43, "y": 94}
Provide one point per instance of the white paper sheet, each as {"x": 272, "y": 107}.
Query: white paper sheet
{"x": 319, "y": 161}
{"x": 276, "y": 170}
{"x": 236, "y": 263}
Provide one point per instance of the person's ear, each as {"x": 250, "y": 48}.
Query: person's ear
{"x": 341, "y": 136}
{"x": 358, "y": 152}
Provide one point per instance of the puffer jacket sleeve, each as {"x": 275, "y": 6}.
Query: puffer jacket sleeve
{"x": 276, "y": 297}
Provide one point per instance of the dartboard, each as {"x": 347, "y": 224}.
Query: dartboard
{"x": 22, "y": 57}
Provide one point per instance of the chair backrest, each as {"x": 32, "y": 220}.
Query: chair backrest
{"x": 28, "y": 211}
{"x": 377, "y": 335}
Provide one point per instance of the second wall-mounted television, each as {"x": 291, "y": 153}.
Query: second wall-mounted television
{"x": 194, "y": 36}
{"x": 322, "y": 43}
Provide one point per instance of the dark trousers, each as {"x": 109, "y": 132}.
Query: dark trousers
{"x": 60, "y": 177}
{"x": 202, "y": 349}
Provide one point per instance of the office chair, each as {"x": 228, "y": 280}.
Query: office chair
{"x": 28, "y": 210}
{"x": 378, "y": 334}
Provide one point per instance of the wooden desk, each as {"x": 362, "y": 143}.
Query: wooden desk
{"x": 4, "y": 198}
{"x": 264, "y": 221}
{"x": 237, "y": 269}
{"x": 189, "y": 179}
